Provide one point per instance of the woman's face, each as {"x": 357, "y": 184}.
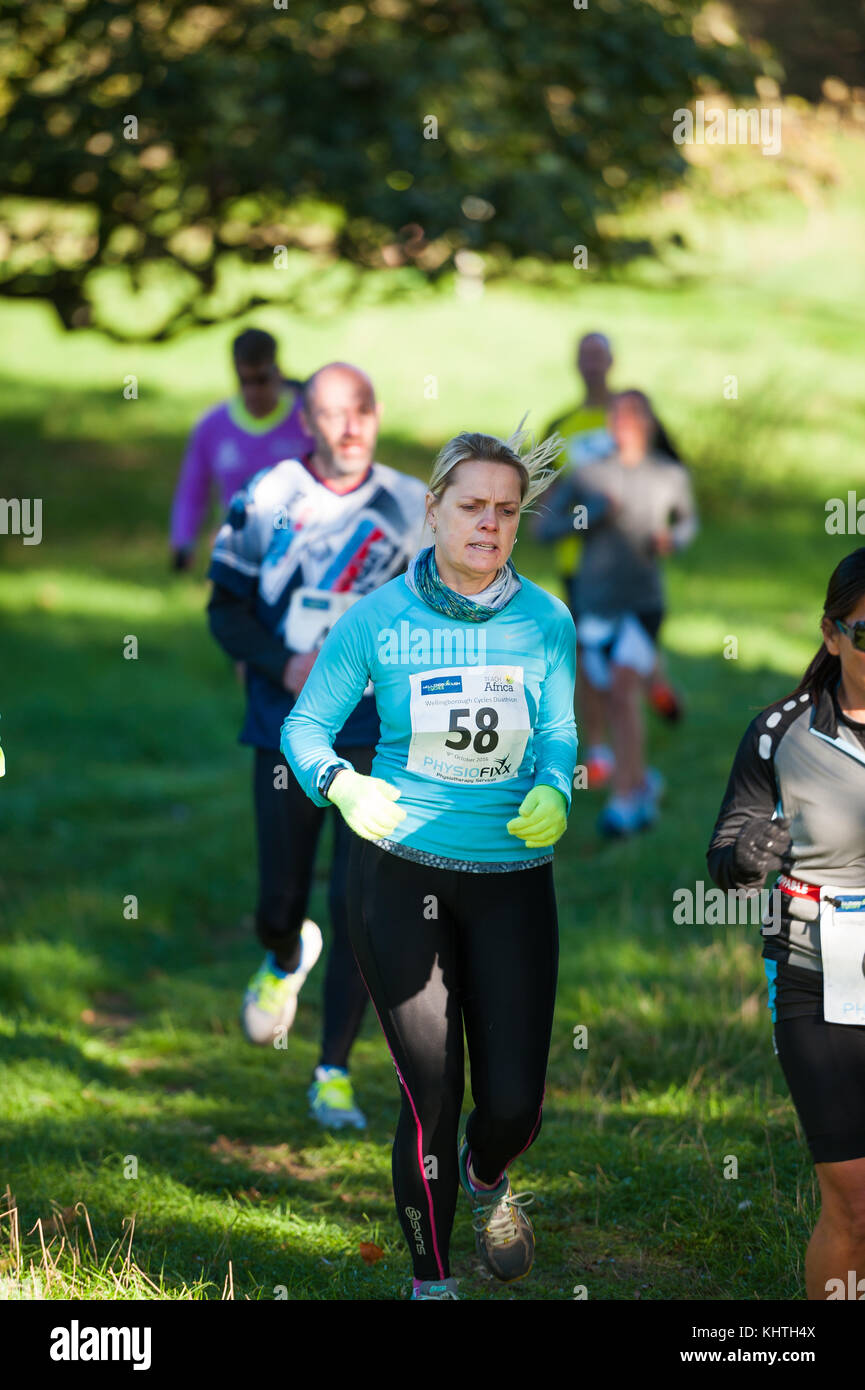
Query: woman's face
{"x": 476, "y": 518}
{"x": 630, "y": 426}
{"x": 839, "y": 644}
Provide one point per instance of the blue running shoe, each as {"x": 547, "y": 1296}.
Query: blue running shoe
{"x": 332, "y": 1100}
{"x": 435, "y": 1288}
{"x": 625, "y": 815}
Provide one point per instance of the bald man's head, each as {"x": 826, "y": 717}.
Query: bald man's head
{"x": 340, "y": 412}
{"x": 336, "y": 372}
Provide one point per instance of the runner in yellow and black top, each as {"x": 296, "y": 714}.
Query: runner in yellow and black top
{"x": 584, "y": 430}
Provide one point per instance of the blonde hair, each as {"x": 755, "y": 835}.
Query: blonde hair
{"x": 535, "y": 464}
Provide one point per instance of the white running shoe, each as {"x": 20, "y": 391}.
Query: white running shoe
{"x": 270, "y": 1002}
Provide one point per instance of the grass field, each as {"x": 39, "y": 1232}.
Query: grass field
{"x": 118, "y": 1034}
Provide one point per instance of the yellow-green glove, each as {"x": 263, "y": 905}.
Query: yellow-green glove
{"x": 542, "y": 819}
{"x": 366, "y": 804}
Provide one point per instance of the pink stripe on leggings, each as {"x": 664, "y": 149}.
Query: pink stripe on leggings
{"x": 439, "y": 1261}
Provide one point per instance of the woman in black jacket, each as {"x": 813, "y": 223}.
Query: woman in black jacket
{"x": 795, "y": 803}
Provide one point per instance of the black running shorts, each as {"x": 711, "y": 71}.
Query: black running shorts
{"x": 824, "y": 1065}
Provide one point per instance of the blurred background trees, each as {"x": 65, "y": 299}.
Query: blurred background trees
{"x": 149, "y": 148}
{"x": 151, "y": 135}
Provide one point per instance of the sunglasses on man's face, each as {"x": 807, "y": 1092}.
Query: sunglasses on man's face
{"x": 855, "y": 631}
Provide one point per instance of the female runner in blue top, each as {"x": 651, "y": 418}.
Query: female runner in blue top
{"x": 452, "y": 906}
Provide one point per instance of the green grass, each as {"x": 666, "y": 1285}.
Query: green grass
{"x": 118, "y": 1033}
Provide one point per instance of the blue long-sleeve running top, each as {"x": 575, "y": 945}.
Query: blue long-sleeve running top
{"x": 473, "y": 715}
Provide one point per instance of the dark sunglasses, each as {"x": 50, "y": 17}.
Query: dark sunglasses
{"x": 855, "y": 631}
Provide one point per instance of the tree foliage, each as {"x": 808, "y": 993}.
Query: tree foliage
{"x": 142, "y": 133}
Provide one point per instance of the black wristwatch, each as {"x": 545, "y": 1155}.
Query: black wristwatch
{"x": 327, "y": 777}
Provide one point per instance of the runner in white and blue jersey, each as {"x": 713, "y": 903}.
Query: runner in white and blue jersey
{"x": 452, "y": 911}
{"x": 302, "y": 542}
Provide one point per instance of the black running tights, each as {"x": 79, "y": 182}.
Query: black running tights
{"x": 442, "y": 951}
{"x": 289, "y": 826}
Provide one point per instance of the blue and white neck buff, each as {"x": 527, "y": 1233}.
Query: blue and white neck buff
{"x": 425, "y": 582}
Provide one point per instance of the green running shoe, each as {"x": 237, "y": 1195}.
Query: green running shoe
{"x": 332, "y": 1100}
{"x": 432, "y": 1288}
{"x": 504, "y": 1238}
{"x": 270, "y": 1002}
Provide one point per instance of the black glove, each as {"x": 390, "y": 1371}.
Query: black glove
{"x": 182, "y": 557}
{"x": 761, "y": 847}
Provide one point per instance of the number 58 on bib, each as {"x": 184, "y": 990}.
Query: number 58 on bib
{"x": 468, "y": 724}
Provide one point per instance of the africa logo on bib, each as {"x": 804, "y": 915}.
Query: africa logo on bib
{"x": 468, "y": 724}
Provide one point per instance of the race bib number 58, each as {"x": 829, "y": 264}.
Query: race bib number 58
{"x": 470, "y": 724}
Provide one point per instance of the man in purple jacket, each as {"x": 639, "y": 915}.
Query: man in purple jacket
{"x": 237, "y": 439}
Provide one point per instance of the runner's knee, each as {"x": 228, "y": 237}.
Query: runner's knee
{"x": 512, "y": 1121}
{"x": 624, "y": 690}
{"x": 843, "y": 1203}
